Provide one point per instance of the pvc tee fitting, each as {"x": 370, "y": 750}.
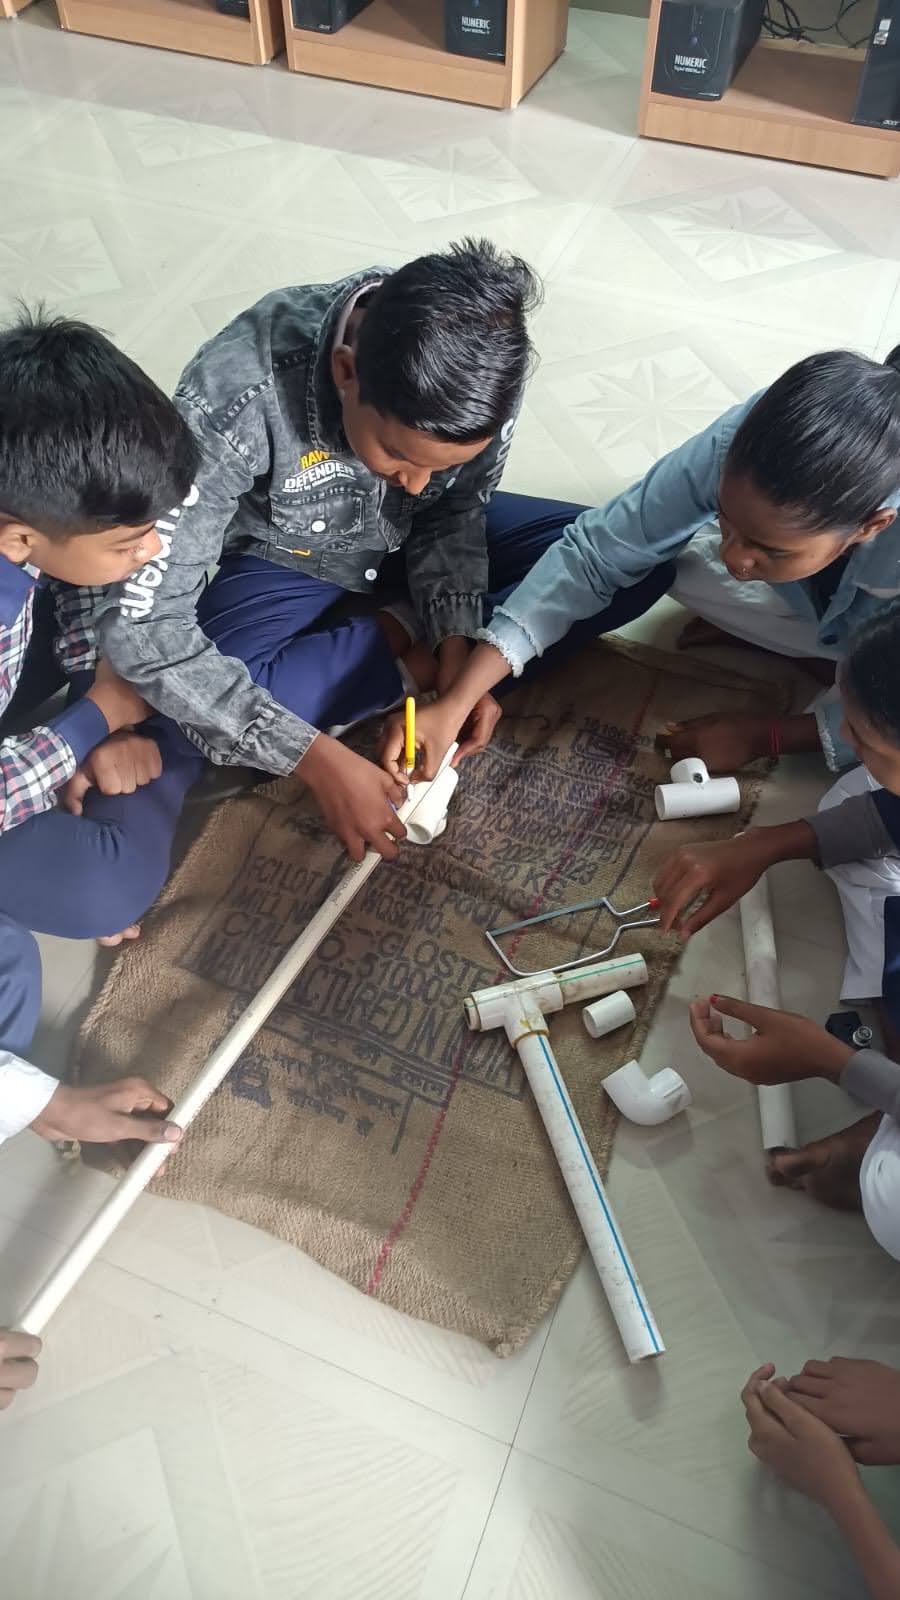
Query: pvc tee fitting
{"x": 693, "y": 793}
{"x": 647, "y": 1100}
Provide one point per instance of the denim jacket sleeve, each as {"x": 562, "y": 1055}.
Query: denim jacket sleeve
{"x": 446, "y": 550}
{"x": 150, "y": 634}
{"x": 614, "y": 546}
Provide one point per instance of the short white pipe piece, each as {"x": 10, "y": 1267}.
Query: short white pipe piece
{"x": 604, "y": 1016}
{"x": 431, "y": 802}
{"x": 647, "y": 1100}
{"x": 776, "y": 1105}
{"x": 526, "y": 1030}
{"x": 486, "y": 1008}
{"x": 117, "y": 1204}
{"x": 697, "y": 797}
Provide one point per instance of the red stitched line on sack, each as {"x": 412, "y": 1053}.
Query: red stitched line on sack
{"x": 418, "y": 1184}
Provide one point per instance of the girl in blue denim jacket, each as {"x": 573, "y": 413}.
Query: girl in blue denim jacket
{"x": 802, "y": 483}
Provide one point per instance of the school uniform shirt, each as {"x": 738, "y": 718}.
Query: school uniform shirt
{"x": 35, "y": 765}
{"x": 615, "y": 545}
{"x": 278, "y": 481}
{"x": 24, "y": 1092}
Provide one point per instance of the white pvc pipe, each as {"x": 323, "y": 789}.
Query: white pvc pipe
{"x": 92, "y": 1239}
{"x": 526, "y": 1030}
{"x": 487, "y": 1008}
{"x": 776, "y": 1106}
{"x": 693, "y": 793}
{"x": 431, "y": 802}
{"x": 648, "y": 1101}
{"x": 604, "y": 1016}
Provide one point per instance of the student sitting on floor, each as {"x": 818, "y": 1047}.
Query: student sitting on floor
{"x": 90, "y": 451}
{"x": 855, "y": 837}
{"x": 352, "y": 436}
{"x": 803, "y": 481}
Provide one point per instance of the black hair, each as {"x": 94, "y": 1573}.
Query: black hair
{"x": 87, "y": 440}
{"x": 444, "y": 346}
{"x": 824, "y": 440}
{"x": 870, "y": 672}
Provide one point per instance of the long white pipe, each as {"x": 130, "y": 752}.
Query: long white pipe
{"x": 521, "y": 1009}
{"x": 776, "y": 1106}
{"x": 526, "y": 1029}
{"x": 95, "y": 1235}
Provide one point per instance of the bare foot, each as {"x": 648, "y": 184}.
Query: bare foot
{"x": 112, "y": 939}
{"x": 698, "y": 634}
{"x": 828, "y": 1169}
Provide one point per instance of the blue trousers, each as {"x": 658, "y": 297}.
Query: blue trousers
{"x": 84, "y": 877}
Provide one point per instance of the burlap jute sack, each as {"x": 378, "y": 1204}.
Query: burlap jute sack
{"x": 364, "y": 1124}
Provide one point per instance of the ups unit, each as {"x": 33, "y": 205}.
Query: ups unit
{"x": 326, "y": 16}
{"x": 476, "y": 28}
{"x": 700, "y": 48}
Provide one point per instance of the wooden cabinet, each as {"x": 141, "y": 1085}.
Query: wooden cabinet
{"x": 789, "y": 101}
{"x": 192, "y": 25}
{"x": 399, "y": 44}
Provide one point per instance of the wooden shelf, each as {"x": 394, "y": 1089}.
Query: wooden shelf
{"x": 194, "y": 26}
{"x": 398, "y": 44}
{"x": 790, "y": 102}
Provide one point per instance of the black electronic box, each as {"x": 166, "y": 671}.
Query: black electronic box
{"x": 476, "y": 28}
{"x": 700, "y": 48}
{"x": 234, "y": 8}
{"x": 878, "y": 100}
{"x": 326, "y": 16}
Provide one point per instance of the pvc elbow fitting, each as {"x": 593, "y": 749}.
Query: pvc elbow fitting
{"x": 693, "y": 793}
{"x": 648, "y": 1101}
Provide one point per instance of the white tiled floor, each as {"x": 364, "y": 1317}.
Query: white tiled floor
{"x": 216, "y": 1416}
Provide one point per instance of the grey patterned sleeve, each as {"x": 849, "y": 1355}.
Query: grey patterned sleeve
{"x": 875, "y": 1080}
{"x": 852, "y": 831}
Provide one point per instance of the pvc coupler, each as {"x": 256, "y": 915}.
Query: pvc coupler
{"x": 647, "y": 1100}
{"x": 693, "y": 793}
{"x": 429, "y": 819}
{"x": 613, "y": 1011}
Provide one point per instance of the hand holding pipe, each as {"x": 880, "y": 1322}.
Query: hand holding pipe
{"x": 520, "y": 1008}
{"x": 693, "y": 793}
{"x": 132, "y": 1184}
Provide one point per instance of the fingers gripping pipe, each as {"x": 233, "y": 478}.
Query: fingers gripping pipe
{"x": 521, "y": 1010}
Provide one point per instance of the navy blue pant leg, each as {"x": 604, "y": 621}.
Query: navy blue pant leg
{"x": 520, "y": 528}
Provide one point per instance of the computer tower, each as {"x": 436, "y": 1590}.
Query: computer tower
{"x": 878, "y": 100}
{"x": 476, "y": 28}
{"x": 326, "y": 16}
{"x": 700, "y": 48}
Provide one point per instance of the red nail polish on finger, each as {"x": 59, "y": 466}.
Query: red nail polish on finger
{"x": 653, "y": 904}
{"x": 714, "y": 999}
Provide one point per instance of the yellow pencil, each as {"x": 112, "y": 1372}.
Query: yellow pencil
{"x": 410, "y": 734}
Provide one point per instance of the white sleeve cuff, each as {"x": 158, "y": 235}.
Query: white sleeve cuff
{"x": 24, "y": 1092}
